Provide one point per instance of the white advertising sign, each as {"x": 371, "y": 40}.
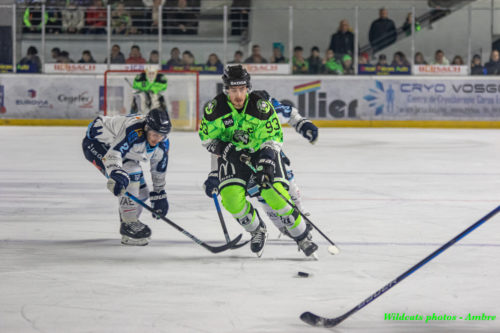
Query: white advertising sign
{"x": 440, "y": 70}
{"x": 267, "y": 68}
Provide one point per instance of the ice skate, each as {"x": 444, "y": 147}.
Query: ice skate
{"x": 135, "y": 233}
{"x": 258, "y": 239}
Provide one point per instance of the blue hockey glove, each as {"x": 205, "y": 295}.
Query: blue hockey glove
{"x": 118, "y": 182}
{"x": 211, "y": 184}
{"x": 159, "y": 203}
{"x": 308, "y": 130}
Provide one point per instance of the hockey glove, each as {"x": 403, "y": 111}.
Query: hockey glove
{"x": 308, "y": 130}
{"x": 230, "y": 154}
{"x": 118, "y": 182}
{"x": 159, "y": 203}
{"x": 211, "y": 184}
{"x": 265, "y": 167}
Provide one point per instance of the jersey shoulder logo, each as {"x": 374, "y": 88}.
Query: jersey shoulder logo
{"x": 263, "y": 106}
{"x": 211, "y": 106}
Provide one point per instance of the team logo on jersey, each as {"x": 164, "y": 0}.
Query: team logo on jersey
{"x": 228, "y": 122}
{"x": 241, "y": 136}
{"x": 210, "y": 106}
{"x": 263, "y": 106}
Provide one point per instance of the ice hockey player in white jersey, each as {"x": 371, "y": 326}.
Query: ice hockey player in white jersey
{"x": 286, "y": 114}
{"x": 116, "y": 146}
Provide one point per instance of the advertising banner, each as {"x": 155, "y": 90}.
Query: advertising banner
{"x": 440, "y": 70}
{"x": 383, "y": 70}
{"x": 267, "y": 68}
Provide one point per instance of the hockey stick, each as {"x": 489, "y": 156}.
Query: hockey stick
{"x": 333, "y": 249}
{"x": 213, "y": 249}
{"x": 315, "y": 320}
{"x": 223, "y": 224}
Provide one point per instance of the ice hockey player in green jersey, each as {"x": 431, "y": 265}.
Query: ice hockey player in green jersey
{"x": 239, "y": 122}
{"x": 149, "y": 86}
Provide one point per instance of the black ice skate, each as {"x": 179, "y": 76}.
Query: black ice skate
{"x": 259, "y": 237}
{"x": 306, "y": 245}
{"x": 135, "y": 233}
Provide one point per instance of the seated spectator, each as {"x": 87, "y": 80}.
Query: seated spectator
{"x": 72, "y": 18}
{"x": 135, "y": 56}
{"x": 86, "y": 58}
{"x": 347, "y": 65}
{"x": 299, "y": 64}
{"x": 476, "y": 68}
{"x": 382, "y": 60}
{"x": 382, "y": 31}
{"x": 239, "y": 17}
{"x": 457, "y": 60}
{"x": 314, "y": 61}
{"x": 238, "y": 58}
{"x": 399, "y": 60}
{"x": 175, "y": 59}
{"x": 277, "y": 57}
{"x": 187, "y": 58}
{"x": 53, "y": 17}
{"x": 121, "y": 21}
{"x": 32, "y": 18}
{"x": 331, "y": 65}
{"x": 440, "y": 59}
{"x": 342, "y": 42}
{"x": 32, "y": 60}
{"x": 364, "y": 59}
{"x": 493, "y": 66}
{"x": 96, "y": 18}
{"x": 213, "y": 60}
{"x": 116, "y": 56}
{"x": 256, "y": 57}
{"x": 154, "y": 57}
{"x": 179, "y": 19}
{"x": 55, "y": 53}
{"x": 153, "y": 16}
{"x": 419, "y": 59}
{"x": 407, "y": 25}
{"x": 64, "y": 58}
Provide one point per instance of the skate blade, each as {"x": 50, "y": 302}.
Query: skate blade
{"x": 134, "y": 241}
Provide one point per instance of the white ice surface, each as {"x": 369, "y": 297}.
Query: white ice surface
{"x": 387, "y": 197}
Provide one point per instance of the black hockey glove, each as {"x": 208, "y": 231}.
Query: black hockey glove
{"x": 159, "y": 203}
{"x": 266, "y": 166}
{"x": 308, "y": 130}
{"x": 211, "y": 184}
{"x": 118, "y": 182}
{"x": 230, "y": 154}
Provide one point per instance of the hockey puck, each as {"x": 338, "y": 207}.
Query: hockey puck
{"x": 303, "y": 274}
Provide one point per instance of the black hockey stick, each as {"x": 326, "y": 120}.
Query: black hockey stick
{"x": 223, "y": 224}
{"x": 333, "y": 249}
{"x": 213, "y": 249}
{"x": 315, "y": 320}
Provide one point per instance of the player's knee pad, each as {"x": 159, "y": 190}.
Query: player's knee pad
{"x": 233, "y": 198}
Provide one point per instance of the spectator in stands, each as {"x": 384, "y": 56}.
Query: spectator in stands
{"x": 407, "y": 25}
{"x": 238, "y": 58}
{"x": 256, "y": 57}
{"x": 440, "y": 59}
{"x": 382, "y": 31}
{"x": 278, "y": 57}
{"x": 419, "y": 59}
{"x": 32, "y": 60}
{"x": 364, "y": 59}
{"x": 55, "y": 53}
{"x": 121, "y": 21}
{"x": 342, "y": 42}
{"x": 399, "y": 60}
{"x": 457, "y": 60}
{"x": 96, "y": 18}
{"x": 180, "y": 19}
{"x": 239, "y": 17}
{"x": 33, "y": 18}
{"x": 187, "y": 58}
{"x": 135, "y": 56}
{"x": 315, "y": 62}
{"x": 175, "y": 59}
{"x": 54, "y": 22}
{"x": 64, "y": 58}
{"x": 347, "y": 65}
{"x": 72, "y": 18}
{"x": 493, "y": 66}
{"x": 382, "y": 60}
{"x": 299, "y": 64}
{"x": 214, "y": 61}
{"x": 86, "y": 58}
{"x": 476, "y": 67}
{"x": 154, "y": 57}
{"x": 153, "y": 16}
{"x": 331, "y": 65}
{"x": 116, "y": 56}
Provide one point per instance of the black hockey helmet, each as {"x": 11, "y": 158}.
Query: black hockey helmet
{"x": 159, "y": 121}
{"x": 236, "y": 75}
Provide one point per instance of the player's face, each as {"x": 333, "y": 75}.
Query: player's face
{"x": 237, "y": 95}
{"x": 154, "y": 137}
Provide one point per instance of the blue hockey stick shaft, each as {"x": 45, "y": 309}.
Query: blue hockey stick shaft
{"x": 316, "y": 320}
